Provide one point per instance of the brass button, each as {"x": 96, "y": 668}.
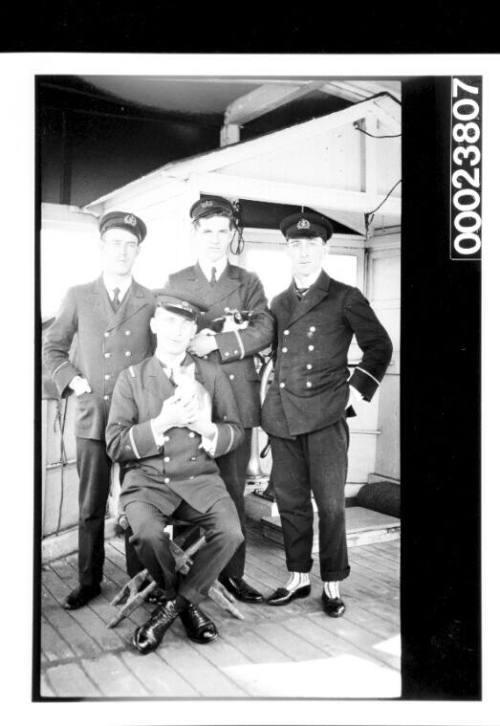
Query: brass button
{"x": 166, "y": 438}
{"x": 127, "y": 332}
{"x": 282, "y": 385}
{"x": 166, "y": 458}
{"x": 308, "y": 384}
{"x": 107, "y": 355}
{"x": 107, "y": 377}
{"x": 128, "y": 353}
{"x": 166, "y": 480}
{"x": 308, "y": 366}
{"x": 310, "y": 347}
{"x": 191, "y": 477}
{"x": 106, "y": 334}
{"x": 236, "y": 352}
{"x": 284, "y": 350}
{"x": 193, "y": 458}
{"x": 231, "y": 376}
{"x": 286, "y": 332}
{"x": 191, "y": 434}
{"x": 312, "y": 328}
{"x": 106, "y": 398}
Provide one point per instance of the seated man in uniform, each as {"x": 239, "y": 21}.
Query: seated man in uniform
{"x": 170, "y": 416}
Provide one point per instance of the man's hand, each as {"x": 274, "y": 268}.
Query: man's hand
{"x": 175, "y": 412}
{"x": 79, "y": 385}
{"x": 203, "y": 343}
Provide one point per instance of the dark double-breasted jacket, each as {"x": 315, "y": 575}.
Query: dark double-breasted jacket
{"x": 310, "y": 387}
{"x": 179, "y": 468}
{"x": 236, "y": 289}
{"x": 88, "y": 338}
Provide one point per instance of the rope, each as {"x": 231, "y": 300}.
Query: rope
{"x": 61, "y": 420}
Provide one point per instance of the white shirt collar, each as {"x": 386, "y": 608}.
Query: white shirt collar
{"x": 309, "y": 281}
{"x": 123, "y": 286}
{"x": 206, "y": 267}
{"x": 173, "y": 366}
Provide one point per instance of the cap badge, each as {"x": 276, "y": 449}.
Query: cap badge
{"x": 303, "y": 224}
{"x": 207, "y": 203}
{"x": 130, "y": 219}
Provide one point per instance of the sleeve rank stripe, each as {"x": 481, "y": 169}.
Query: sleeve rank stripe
{"x": 134, "y": 447}
{"x": 231, "y": 438}
{"x": 368, "y": 374}
{"x": 64, "y": 363}
{"x": 240, "y": 343}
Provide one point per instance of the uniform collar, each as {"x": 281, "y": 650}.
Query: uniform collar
{"x": 111, "y": 285}
{"x": 206, "y": 267}
{"x": 311, "y": 282}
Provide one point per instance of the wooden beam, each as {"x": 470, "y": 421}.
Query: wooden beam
{"x": 389, "y": 113}
{"x": 264, "y": 99}
{"x": 357, "y": 90}
{"x": 272, "y": 142}
{"x": 229, "y": 134}
{"x": 298, "y": 194}
{"x": 353, "y": 220}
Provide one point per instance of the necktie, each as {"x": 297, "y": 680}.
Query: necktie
{"x": 115, "y": 302}
{"x": 213, "y": 279}
{"x": 301, "y": 291}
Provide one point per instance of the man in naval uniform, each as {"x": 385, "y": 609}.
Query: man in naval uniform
{"x": 218, "y": 286}
{"x": 304, "y": 412}
{"x": 101, "y": 328}
{"x": 170, "y": 416}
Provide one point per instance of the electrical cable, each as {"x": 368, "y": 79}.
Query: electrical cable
{"x": 370, "y": 215}
{"x": 61, "y": 420}
{"x": 373, "y": 136}
{"x": 238, "y": 232}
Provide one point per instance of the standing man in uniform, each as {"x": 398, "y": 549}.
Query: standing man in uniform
{"x": 169, "y": 417}
{"x": 218, "y": 286}
{"x": 304, "y": 412}
{"x": 102, "y": 327}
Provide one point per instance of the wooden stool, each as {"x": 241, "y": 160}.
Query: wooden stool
{"x": 131, "y": 596}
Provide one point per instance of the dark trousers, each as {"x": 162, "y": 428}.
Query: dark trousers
{"x": 222, "y": 532}
{"x": 315, "y": 462}
{"x": 94, "y": 469}
{"x": 233, "y": 470}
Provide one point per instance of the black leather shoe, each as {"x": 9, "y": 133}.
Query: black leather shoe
{"x": 197, "y": 625}
{"x": 157, "y": 597}
{"x": 241, "y": 589}
{"x": 333, "y": 606}
{"x": 81, "y": 596}
{"x": 282, "y": 596}
{"x": 148, "y": 637}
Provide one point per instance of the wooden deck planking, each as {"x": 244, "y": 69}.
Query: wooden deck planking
{"x": 52, "y": 644}
{"x": 194, "y": 667}
{"x": 356, "y": 636}
{"x": 311, "y": 628}
{"x": 86, "y": 617}
{"x": 113, "y": 676}
{"x": 70, "y": 631}
{"x": 157, "y": 676}
{"x": 70, "y": 680}
{"x": 82, "y": 654}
